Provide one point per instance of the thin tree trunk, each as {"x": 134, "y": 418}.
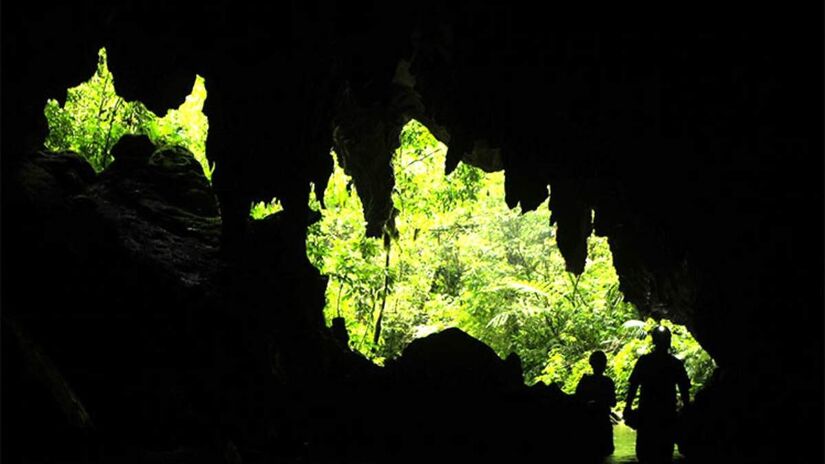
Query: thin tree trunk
{"x": 103, "y": 100}
{"x": 377, "y": 335}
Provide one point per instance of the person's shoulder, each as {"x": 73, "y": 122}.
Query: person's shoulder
{"x": 643, "y": 363}
{"x": 679, "y": 364}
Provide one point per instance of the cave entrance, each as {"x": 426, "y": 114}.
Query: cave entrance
{"x": 93, "y": 118}
{"x": 462, "y": 258}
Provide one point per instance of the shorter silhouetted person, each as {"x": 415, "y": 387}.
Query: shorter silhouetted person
{"x": 599, "y": 394}
{"x": 658, "y": 374}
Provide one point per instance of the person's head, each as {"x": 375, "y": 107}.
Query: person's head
{"x": 661, "y": 338}
{"x": 598, "y": 361}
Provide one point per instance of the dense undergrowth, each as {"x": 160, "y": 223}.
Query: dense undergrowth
{"x": 463, "y": 259}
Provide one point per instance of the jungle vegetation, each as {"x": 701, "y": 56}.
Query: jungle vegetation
{"x": 93, "y": 118}
{"x": 461, "y": 257}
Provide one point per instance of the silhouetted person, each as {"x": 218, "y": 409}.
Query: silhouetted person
{"x": 599, "y": 394}
{"x": 658, "y": 374}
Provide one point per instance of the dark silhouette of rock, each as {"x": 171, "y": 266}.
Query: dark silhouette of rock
{"x": 451, "y": 359}
{"x": 463, "y": 401}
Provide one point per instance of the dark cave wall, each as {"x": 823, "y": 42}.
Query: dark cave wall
{"x": 698, "y": 149}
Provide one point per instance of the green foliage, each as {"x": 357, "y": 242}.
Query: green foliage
{"x": 187, "y": 126}
{"x": 94, "y": 118}
{"x": 463, "y": 258}
{"x": 263, "y": 209}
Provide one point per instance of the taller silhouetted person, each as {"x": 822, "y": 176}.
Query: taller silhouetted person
{"x": 658, "y": 374}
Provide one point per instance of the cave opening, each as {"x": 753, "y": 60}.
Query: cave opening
{"x": 93, "y": 118}
{"x": 458, "y": 256}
